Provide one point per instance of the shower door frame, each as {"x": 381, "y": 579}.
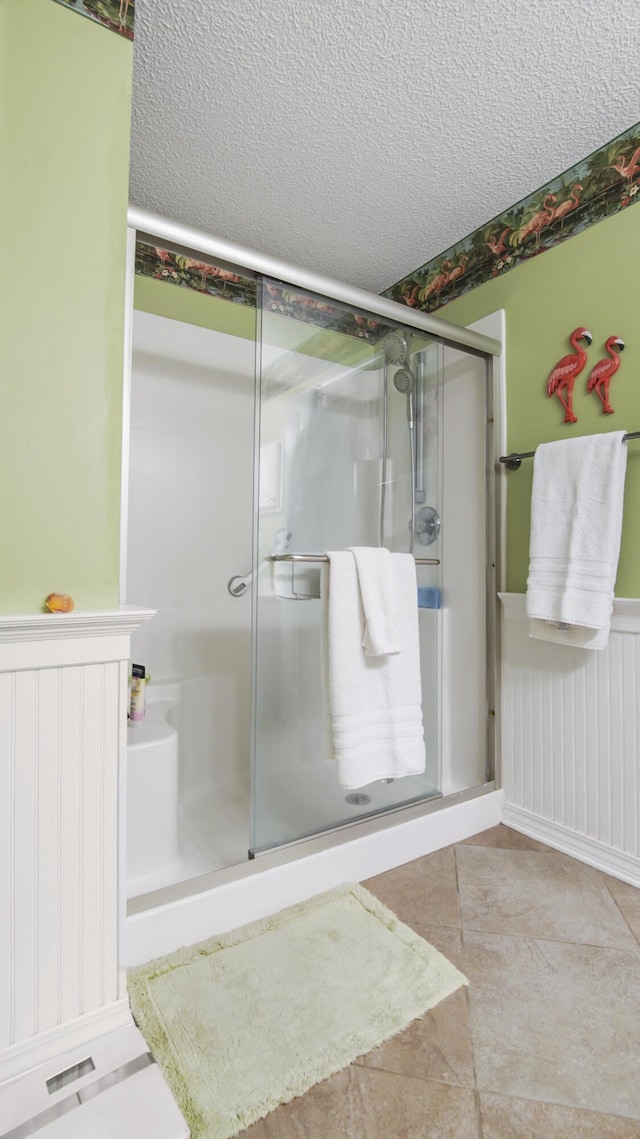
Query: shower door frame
{"x": 156, "y": 227}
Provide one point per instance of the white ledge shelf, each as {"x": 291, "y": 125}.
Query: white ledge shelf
{"x": 625, "y": 617}
{"x": 70, "y": 626}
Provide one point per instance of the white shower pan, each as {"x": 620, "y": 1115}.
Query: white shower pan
{"x": 176, "y": 832}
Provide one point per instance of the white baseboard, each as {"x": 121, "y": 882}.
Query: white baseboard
{"x": 155, "y": 932}
{"x": 585, "y": 849}
{"x": 27, "y": 1054}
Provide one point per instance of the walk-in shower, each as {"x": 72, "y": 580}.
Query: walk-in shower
{"x": 308, "y": 417}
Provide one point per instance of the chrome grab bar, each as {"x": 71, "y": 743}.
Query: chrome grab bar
{"x": 325, "y": 558}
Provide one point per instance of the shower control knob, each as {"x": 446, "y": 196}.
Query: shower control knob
{"x": 428, "y": 523}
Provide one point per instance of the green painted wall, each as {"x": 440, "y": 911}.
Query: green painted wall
{"x": 186, "y": 305}
{"x": 191, "y": 307}
{"x": 591, "y": 280}
{"x": 65, "y": 96}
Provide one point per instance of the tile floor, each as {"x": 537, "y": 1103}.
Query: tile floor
{"x": 545, "y": 1042}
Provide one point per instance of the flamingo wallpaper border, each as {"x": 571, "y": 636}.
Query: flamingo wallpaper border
{"x": 201, "y": 276}
{"x": 599, "y": 186}
{"x": 204, "y": 277}
{"x": 116, "y": 15}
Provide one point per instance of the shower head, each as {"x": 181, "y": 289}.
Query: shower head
{"x": 396, "y": 347}
{"x": 403, "y": 381}
{"x": 405, "y": 384}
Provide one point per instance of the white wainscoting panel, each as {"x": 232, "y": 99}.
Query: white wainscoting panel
{"x": 571, "y": 739}
{"x": 62, "y": 728}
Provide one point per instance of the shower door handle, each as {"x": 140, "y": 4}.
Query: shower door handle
{"x": 239, "y": 584}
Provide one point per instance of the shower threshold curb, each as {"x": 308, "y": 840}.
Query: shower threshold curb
{"x": 161, "y": 922}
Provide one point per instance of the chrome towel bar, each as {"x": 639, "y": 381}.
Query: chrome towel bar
{"x": 513, "y": 461}
{"x": 324, "y": 558}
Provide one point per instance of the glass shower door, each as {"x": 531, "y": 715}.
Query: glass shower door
{"x": 332, "y": 429}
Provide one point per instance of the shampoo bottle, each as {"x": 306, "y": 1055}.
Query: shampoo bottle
{"x": 136, "y": 700}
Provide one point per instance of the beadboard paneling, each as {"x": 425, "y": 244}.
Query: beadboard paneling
{"x": 62, "y": 730}
{"x": 571, "y": 729}
{"x": 59, "y": 874}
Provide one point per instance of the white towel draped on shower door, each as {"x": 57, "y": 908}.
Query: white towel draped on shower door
{"x": 576, "y": 524}
{"x": 374, "y": 702}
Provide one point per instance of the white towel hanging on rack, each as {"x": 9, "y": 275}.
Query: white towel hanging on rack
{"x": 374, "y": 702}
{"x": 576, "y": 524}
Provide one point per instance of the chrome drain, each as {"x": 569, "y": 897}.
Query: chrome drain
{"x": 357, "y": 799}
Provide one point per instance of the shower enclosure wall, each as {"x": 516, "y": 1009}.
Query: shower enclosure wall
{"x": 336, "y": 426}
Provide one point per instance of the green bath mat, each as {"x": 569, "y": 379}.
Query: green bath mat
{"x": 244, "y": 1022}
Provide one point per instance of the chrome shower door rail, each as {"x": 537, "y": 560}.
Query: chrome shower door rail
{"x": 156, "y": 226}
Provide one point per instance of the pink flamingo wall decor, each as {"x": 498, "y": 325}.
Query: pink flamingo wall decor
{"x": 564, "y": 374}
{"x": 600, "y": 377}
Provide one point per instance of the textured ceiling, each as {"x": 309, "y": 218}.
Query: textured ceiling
{"x": 360, "y": 138}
